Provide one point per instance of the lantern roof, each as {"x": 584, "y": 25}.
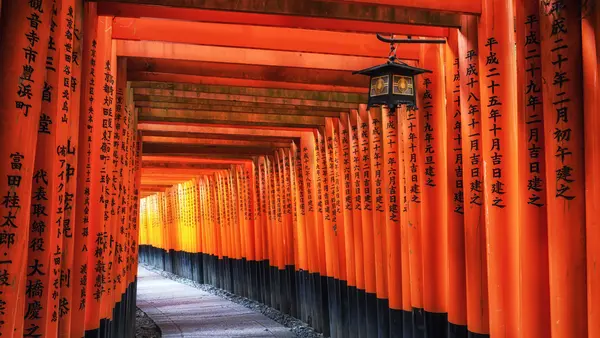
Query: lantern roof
{"x": 397, "y": 67}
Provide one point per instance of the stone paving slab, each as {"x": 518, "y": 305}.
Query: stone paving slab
{"x": 183, "y": 311}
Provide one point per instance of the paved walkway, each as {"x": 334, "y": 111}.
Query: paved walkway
{"x": 183, "y": 311}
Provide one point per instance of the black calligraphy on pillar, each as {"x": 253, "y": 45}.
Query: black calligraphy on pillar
{"x": 300, "y": 182}
{"x": 428, "y": 130}
{"x": 494, "y": 110}
{"x": 415, "y": 187}
{"x": 35, "y": 287}
{"x": 534, "y": 111}
{"x": 347, "y": 169}
{"x": 474, "y": 130}
{"x": 356, "y": 168}
{"x": 391, "y": 142}
{"x": 377, "y": 163}
{"x": 333, "y": 166}
{"x": 561, "y": 101}
{"x": 366, "y": 170}
{"x": 458, "y": 192}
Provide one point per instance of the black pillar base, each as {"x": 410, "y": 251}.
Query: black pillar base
{"x": 436, "y": 325}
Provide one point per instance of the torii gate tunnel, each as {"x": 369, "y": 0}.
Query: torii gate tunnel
{"x": 229, "y": 143}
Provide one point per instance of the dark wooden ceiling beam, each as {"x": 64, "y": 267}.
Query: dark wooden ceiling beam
{"x": 264, "y": 92}
{"x": 275, "y": 13}
{"x": 216, "y": 136}
{"x": 175, "y": 95}
{"x": 227, "y": 104}
{"x": 268, "y": 38}
{"x": 257, "y": 57}
{"x": 233, "y": 119}
{"x": 176, "y": 166}
{"x": 245, "y": 131}
{"x": 249, "y": 72}
{"x": 145, "y": 106}
{"x": 213, "y": 142}
{"x": 200, "y": 150}
{"x": 233, "y": 82}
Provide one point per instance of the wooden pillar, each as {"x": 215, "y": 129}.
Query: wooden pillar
{"x": 457, "y": 299}
{"x": 71, "y": 78}
{"x": 379, "y": 229}
{"x": 391, "y": 192}
{"x": 347, "y": 201}
{"x": 533, "y": 230}
{"x": 336, "y": 224}
{"x": 357, "y": 196}
{"x": 591, "y": 90}
{"x": 560, "y": 32}
{"x": 24, "y": 35}
{"x": 97, "y": 241}
{"x": 497, "y": 76}
{"x": 367, "y": 224}
{"x": 412, "y": 163}
{"x": 407, "y": 327}
{"x": 475, "y": 243}
{"x": 434, "y": 182}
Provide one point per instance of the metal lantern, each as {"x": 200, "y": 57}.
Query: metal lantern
{"x": 393, "y": 83}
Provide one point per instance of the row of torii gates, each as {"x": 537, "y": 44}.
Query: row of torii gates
{"x": 228, "y": 142}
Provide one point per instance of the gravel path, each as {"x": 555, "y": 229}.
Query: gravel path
{"x": 183, "y": 308}
{"x": 145, "y": 326}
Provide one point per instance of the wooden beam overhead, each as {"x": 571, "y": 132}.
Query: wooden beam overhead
{"x": 243, "y": 131}
{"x": 216, "y": 136}
{"x": 154, "y": 187}
{"x": 175, "y": 95}
{"x": 211, "y": 117}
{"x": 213, "y": 142}
{"x": 256, "y": 37}
{"x": 149, "y": 172}
{"x": 200, "y": 150}
{"x": 458, "y": 6}
{"x": 219, "y": 81}
{"x": 258, "y": 57}
{"x": 364, "y": 20}
{"x": 249, "y": 72}
{"x": 193, "y": 160}
{"x": 215, "y": 106}
{"x": 264, "y": 92}
{"x": 176, "y": 166}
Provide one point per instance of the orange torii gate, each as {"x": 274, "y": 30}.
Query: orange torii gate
{"x": 263, "y": 173}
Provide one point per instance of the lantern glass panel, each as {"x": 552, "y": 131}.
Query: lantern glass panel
{"x": 403, "y": 85}
{"x": 380, "y": 85}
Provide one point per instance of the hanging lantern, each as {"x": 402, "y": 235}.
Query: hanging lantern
{"x": 393, "y": 83}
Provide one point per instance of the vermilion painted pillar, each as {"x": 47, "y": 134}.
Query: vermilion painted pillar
{"x": 379, "y": 220}
{"x": 432, "y": 148}
{"x": 98, "y": 238}
{"x": 71, "y": 77}
{"x": 391, "y": 191}
{"x": 561, "y": 53}
{"x": 357, "y": 197}
{"x": 38, "y": 301}
{"x": 533, "y": 230}
{"x": 336, "y": 219}
{"x": 412, "y": 163}
{"x": 591, "y": 90}
{"x": 497, "y": 76}
{"x": 457, "y": 299}
{"x": 475, "y": 243}
{"x": 407, "y": 326}
{"x": 24, "y": 34}
{"x": 347, "y": 206}
{"x": 367, "y": 224}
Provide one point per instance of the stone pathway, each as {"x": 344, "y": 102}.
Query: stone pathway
{"x": 183, "y": 311}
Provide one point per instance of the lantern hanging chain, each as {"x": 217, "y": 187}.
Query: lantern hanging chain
{"x": 392, "y": 55}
